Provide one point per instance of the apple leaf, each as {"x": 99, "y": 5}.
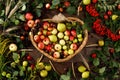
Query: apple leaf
{"x": 55, "y": 2}
{"x": 64, "y": 77}
{"x": 21, "y": 73}
{"x": 15, "y": 73}
{"x": 39, "y": 5}
{"x": 16, "y": 56}
{"x": 38, "y": 12}
{"x": 86, "y": 26}
{"x": 102, "y": 70}
{"x": 1, "y": 21}
{"x": 96, "y": 61}
{"x": 71, "y": 10}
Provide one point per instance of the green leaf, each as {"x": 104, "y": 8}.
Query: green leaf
{"x": 15, "y": 73}
{"x": 21, "y": 73}
{"x": 16, "y": 56}
{"x": 38, "y": 12}
{"x": 102, "y": 70}
{"x": 86, "y": 26}
{"x": 22, "y": 18}
{"x": 71, "y": 10}
{"x": 55, "y": 2}
{"x": 40, "y": 5}
{"x": 22, "y": 53}
{"x": 96, "y": 61}
{"x": 2, "y": 13}
{"x": 64, "y": 77}
{"x": 1, "y": 21}
{"x": 23, "y": 7}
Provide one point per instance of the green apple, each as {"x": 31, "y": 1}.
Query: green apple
{"x": 81, "y": 68}
{"x": 85, "y": 74}
{"x": 25, "y": 63}
{"x": 101, "y": 42}
{"x": 8, "y": 75}
{"x": 48, "y": 67}
{"x": 80, "y": 39}
{"x": 44, "y": 32}
{"x": 62, "y": 42}
{"x": 66, "y": 37}
{"x": 75, "y": 40}
{"x": 54, "y": 31}
{"x": 43, "y": 73}
{"x": 64, "y": 47}
{"x": 13, "y": 47}
{"x": 70, "y": 51}
{"x": 61, "y": 27}
{"x": 3, "y": 73}
{"x": 57, "y": 47}
{"x": 79, "y": 36}
{"x": 40, "y": 65}
{"x": 60, "y": 35}
{"x": 86, "y": 2}
{"x": 114, "y": 17}
{"x": 53, "y": 38}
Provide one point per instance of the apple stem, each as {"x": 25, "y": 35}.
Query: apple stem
{"x": 92, "y": 45}
{"x": 85, "y": 62}
{"x": 53, "y": 67}
{"x": 73, "y": 69}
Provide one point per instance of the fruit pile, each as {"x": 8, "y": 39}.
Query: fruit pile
{"x": 58, "y": 39}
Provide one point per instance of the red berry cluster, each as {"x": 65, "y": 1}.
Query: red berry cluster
{"x": 91, "y": 10}
{"x": 102, "y": 30}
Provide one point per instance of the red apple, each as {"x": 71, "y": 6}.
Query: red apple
{"x": 73, "y": 32}
{"x": 118, "y": 6}
{"x": 67, "y": 32}
{"x": 29, "y": 57}
{"x": 37, "y": 38}
{"x": 46, "y": 41}
{"x": 30, "y": 23}
{"x": 71, "y": 38}
{"x": 26, "y": 27}
{"x": 48, "y": 47}
{"x": 56, "y": 55}
{"x": 32, "y": 66}
{"x": 106, "y": 16}
{"x": 46, "y": 25}
{"x": 50, "y": 28}
{"x": 47, "y": 6}
{"x": 66, "y": 3}
{"x": 73, "y": 46}
{"x": 41, "y": 45}
{"x": 28, "y": 16}
{"x": 109, "y": 13}
{"x": 94, "y": 1}
{"x": 48, "y": 32}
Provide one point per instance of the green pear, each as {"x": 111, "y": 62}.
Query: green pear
{"x": 53, "y": 38}
{"x": 61, "y": 27}
{"x": 86, "y": 2}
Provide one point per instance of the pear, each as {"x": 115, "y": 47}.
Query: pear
{"x": 61, "y": 27}
{"x": 53, "y": 38}
{"x": 86, "y": 2}
{"x": 114, "y": 17}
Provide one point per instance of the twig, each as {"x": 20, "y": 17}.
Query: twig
{"x": 85, "y": 62}
{"x": 8, "y": 5}
{"x": 29, "y": 50}
{"x": 39, "y": 60}
{"x": 16, "y": 7}
{"x": 92, "y": 45}
{"x": 53, "y": 67}
{"x": 73, "y": 70}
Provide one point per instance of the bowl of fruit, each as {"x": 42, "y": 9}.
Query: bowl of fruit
{"x": 59, "y": 38}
